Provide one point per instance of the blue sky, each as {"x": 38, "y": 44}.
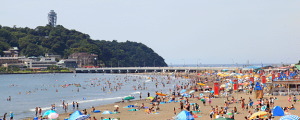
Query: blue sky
{"x": 181, "y": 31}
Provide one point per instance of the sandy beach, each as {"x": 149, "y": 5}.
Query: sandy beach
{"x": 166, "y": 111}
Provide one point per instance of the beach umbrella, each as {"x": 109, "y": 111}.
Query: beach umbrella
{"x": 107, "y": 112}
{"x": 160, "y": 94}
{"x": 48, "y": 112}
{"x": 150, "y": 98}
{"x": 116, "y": 106}
{"x": 290, "y": 117}
{"x": 224, "y": 119}
{"x": 201, "y": 84}
{"x": 261, "y": 114}
{"x": 75, "y": 115}
{"x": 52, "y": 116}
{"x": 129, "y": 98}
{"x": 82, "y": 117}
{"x": 206, "y": 87}
{"x": 257, "y": 102}
{"x": 185, "y": 115}
{"x": 192, "y": 91}
{"x": 229, "y": 113}
{"x": 183, "y": 90}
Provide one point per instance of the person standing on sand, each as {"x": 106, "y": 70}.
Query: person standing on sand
{"x": 73, "y": 104}
{"x": 243, "y": 104}
{"x": 140, "y": 95}
{"x": 11, "y": 115}
{"x": 40, "y": 111}
{"x": 295, "y": 99}
{"x": 4, "y": 116}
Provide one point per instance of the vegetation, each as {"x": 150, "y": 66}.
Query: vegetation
{"x": 61, "y": 41}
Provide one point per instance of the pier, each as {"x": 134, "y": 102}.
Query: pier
{"x": 150, "y": 69}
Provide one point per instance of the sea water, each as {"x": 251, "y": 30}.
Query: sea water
{"x": 29, "y": 91}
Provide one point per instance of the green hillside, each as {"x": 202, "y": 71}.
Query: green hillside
{"x": 61, "y": 41}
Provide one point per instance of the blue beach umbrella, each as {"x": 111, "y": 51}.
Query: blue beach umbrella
{"x": 107, "y": 112}
{"x": 183, "y": 90}
{"x": 185, "y": 115}
{"x": 77, "y": 115}
{"x": 290, "y": 117}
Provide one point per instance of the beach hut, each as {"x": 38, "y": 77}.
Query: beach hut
{"x": 277, "y": 111}
{"x": 185, "y": 115}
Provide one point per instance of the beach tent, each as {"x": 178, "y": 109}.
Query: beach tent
{"x": 277, "y": 111}
{"x": 77, "y": 115}
{"x": 185, "y": 115}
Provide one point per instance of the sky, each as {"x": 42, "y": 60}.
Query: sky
{"x": 181, "y": 31}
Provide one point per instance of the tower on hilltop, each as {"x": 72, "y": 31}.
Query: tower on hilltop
{"x": 52, "y": 18}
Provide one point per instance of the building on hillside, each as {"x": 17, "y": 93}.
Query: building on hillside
{"x": 42, "y": 64}
{"x": 67, "y": 63}
{"x": 52, "y": 55}
{"x": 12, "y": 52}
{"x": 84, "y": 59}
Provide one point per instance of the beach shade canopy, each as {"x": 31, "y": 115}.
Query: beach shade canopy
{"x": 48, "y": 112}
{"x": 183, "y": 90}
{"x": 129, "y": 98}
{"x": 290, "y": 117}
{"x": 192, "y": 91}
{"x": 185, "y": 115}
{"x": 107, "y": 112}
{"x": 77, "y": 115}
{"x": 261, "y": 114}
{"x": 206, "y": 87}
{"x": 201, "y": 84}
{"x": 229, "y": 113}
{"x": 116, "y": 106}
{"x": 224, "y": 119}
{"x": 160, "y": 94}
{"x": 277, "y": 111}
{"x": 257, "y": 102}
{"x": 150, "y": 98}
{"x": 82, "y": 117}
{"x": 53, "y": 116}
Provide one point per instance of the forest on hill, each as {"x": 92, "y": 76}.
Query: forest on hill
{"x": 61, "y": 41}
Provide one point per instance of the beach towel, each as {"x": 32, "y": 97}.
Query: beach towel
{"x": 133, "y": 110}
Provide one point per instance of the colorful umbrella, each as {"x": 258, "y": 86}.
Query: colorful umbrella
{"x": 183, "y": 90}
{"x": 48, "y": 112}
{"x": 150, "y": 98}
{"x": 229, "y": 113}
{"x": 129, "y": 98}
{"x": 192, "y": 91}
{"x": 256, "y": 103}
{"x": 107, "y": 112}
{"x": 290, "y": 117}
{"x": 261, "y": 114}
{"x": 82, "y": 117}
{"x": 52, "y": 116}
{"x": 201, "y": 84}
{"x": 116, "y": 106}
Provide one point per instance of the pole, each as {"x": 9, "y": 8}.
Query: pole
{"x": 154, "y": 62}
